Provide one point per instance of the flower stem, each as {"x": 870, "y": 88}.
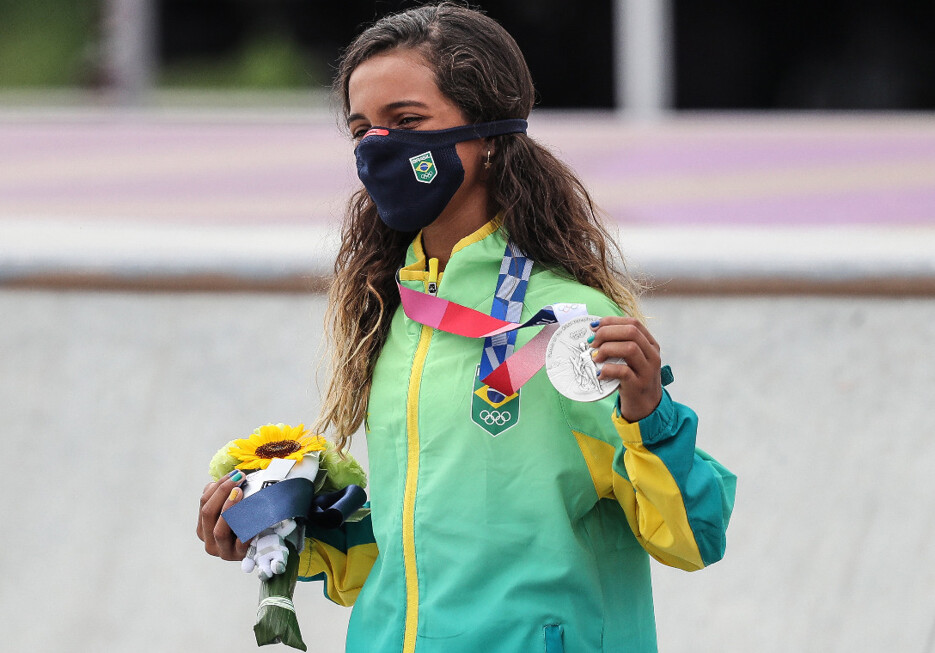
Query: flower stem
{"x": 275, "y": 618}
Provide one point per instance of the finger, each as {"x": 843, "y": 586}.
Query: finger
{"x": 205, "y": 495}
{"x": 223, "y": 535}
{"x": 630, "y": 352}
{"x": 614, "y": 320}
{"x": 627, "y": 332}
{"x": 207, "y": 518}
{"x": 214, "y": 501}
{"x": 624, "y": 341}
{"x": 212, "y": 506}
{"x": 208, "y": 492}
{"x": 624, "y": 373}
{"x": 631, "y": 321}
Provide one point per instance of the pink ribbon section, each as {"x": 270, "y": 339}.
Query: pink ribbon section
{"x": 460, "y": 320}
{"x": 507, "y": 377}
{"x": 453, "y": 318}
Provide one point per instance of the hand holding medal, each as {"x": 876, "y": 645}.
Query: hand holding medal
{"x": 616, "y": 339}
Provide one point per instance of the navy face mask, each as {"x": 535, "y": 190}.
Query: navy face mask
{"x": 412, "y": 175}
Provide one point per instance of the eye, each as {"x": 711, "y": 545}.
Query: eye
{"x": 358, "y": 132}
{"x": 409, "y": 122}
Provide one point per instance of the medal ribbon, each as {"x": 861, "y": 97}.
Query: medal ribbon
{"x": 515, "y": 269}
{"x": 450, "y": 317}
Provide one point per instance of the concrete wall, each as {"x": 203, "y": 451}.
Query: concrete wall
{"x": 112, "y": 404}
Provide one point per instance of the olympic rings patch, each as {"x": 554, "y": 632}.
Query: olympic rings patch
{"x": 495, "y": 417}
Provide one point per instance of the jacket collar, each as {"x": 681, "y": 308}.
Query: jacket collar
{"x": 470, "y": 277}
{"x": 417, "y": 268}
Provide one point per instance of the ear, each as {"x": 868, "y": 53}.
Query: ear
{"x": 490, "y": 144}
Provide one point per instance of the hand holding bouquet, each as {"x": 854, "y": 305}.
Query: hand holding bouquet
{"x": 292, "y": 478}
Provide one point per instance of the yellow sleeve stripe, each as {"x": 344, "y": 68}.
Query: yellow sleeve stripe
{"x": 651, "y": 499}
{"x": 310, "y": 564}
{"x": 599, "y": 457}
{"x": 629, "y": 431}
{"x": 344, "y": 573}
{"x": 662, "y": 521}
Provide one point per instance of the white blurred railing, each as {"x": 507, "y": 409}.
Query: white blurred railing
{"x": 129, "y": 47}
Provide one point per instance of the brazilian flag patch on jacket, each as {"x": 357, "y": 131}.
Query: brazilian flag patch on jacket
{"x": 490, "y": 410}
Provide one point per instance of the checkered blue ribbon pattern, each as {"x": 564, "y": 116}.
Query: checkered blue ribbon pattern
{"x": 515, "y": 269}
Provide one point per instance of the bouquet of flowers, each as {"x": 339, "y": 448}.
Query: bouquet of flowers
{"x": 292, "y": 479}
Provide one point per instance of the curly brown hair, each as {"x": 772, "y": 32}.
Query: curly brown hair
{"x": 544, "y": 208}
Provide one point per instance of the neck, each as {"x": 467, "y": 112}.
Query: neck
{"x": 440, "y": 237}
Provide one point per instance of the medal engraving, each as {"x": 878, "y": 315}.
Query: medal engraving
{"x": 569, "y": 365}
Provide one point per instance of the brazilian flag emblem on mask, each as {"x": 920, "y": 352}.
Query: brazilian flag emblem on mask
{"x": 423, "y": 166}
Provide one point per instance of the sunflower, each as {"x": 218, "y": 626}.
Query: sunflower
{"x": 274, "y": 441}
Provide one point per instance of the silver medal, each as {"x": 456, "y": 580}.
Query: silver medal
{"x": 569, "y": 364}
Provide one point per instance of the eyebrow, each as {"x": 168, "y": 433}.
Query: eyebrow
{"x": 399, "y": 104}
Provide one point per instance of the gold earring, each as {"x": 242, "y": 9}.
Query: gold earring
{"x": 487, "y": 162}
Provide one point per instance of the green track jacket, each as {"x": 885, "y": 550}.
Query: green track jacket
{"x": 516, "y": 535}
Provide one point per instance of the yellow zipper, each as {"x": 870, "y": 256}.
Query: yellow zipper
{"x": 431, "y": 284}
{"x": 412, "y": 473}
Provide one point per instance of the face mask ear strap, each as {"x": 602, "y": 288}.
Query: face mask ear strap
{"x": 498, "y": 127}
{"x": 430, "y": 137}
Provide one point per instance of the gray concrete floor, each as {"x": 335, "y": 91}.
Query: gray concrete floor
{"x": 112, "y": 404}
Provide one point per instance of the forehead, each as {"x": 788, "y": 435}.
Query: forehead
{"x": 391, "y": 76}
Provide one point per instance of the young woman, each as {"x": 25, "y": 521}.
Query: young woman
{"x": 503, "y": 523}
